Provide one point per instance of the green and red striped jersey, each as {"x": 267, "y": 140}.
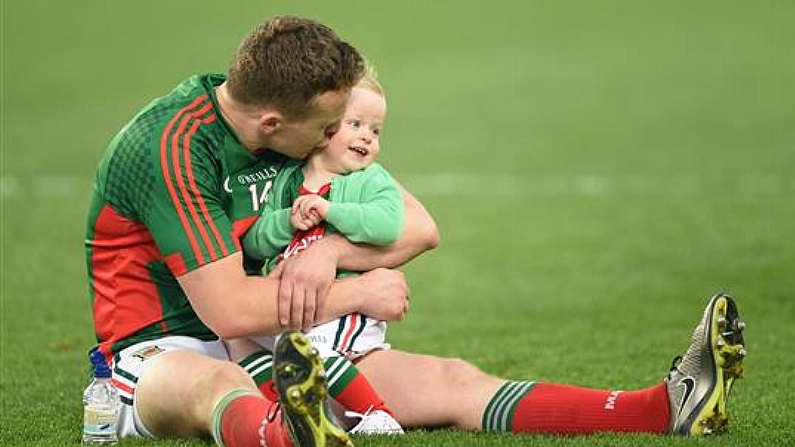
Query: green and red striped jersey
{"x": 174, "y": 191}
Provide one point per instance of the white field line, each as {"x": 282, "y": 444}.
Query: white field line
{"x": 471, "y": 185}
{"x": 454, "y": 184}
{"x": 44, "y": 186}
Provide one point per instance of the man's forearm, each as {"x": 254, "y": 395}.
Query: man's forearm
{"x": 381, "y": 294}
{"x": 234, "y": 305}
{"x": 343, "y": 298}
{"x": 363, "y": 257}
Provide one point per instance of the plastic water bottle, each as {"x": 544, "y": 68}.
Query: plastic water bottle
{"x": 100, "y": 405}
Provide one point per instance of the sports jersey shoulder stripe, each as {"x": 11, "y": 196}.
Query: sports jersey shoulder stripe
{"x": 175, "y": 156}
{"x": 167, "y": 176}
{"x": 190, "y": 122}
{"x": 194, "y": 190}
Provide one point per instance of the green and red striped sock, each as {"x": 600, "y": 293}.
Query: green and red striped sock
{"x": 240, "y": 419}
{"x": 527, "y": 407}
{"x": 346, "y": 384}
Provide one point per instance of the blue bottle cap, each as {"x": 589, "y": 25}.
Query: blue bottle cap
{"x": 101, "y": 368}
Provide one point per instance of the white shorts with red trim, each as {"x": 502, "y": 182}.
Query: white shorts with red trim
{"x": 131, "y": 364}
{"x": 351, "y": 336}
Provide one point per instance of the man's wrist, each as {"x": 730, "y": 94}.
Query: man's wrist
{"x": 351, "y": 291}
{"x": 332, "y": 245}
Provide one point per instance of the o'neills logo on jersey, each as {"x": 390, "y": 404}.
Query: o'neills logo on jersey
{"x": 248, "y": 179}
{"x": 302, "y": 239}
{"x": 263, "y": 174}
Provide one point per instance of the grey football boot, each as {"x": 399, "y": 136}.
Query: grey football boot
{"x": 303, "y": 393}
{"x": 699, "y": 382}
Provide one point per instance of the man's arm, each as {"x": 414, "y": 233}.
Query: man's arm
{"x": 234, "y": 305}
{"x": 307, "y": 277}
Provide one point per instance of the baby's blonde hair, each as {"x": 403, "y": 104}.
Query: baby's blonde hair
{"x": 369, "y": 81}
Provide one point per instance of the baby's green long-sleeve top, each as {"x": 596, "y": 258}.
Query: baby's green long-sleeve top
{"x": 366, "y": 207}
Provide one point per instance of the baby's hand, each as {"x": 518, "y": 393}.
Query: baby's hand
{"x": 300, "y": 223}
{"x": 308, "y": 211}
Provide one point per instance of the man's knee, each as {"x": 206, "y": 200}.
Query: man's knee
{"x": 218, "y": 378}
{"x": 459, "y": 372}
{"x": 178, "y": 393}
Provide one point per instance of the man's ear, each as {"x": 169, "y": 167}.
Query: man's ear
{"x": 271, "y": 122}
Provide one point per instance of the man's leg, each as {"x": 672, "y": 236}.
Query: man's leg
{"x": 691, "y": 401}
{"x": 186, "y": 394}
{"x": 431, "y": 391}
{"x": 426, "y": 390}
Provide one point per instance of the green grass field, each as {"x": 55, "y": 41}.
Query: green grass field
{"x": 597, "y": 170}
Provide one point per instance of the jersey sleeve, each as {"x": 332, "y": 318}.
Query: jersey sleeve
{"x": 269, "y": 234}
{"x": 377, "y": 217}
{"x": 187, "y": 217}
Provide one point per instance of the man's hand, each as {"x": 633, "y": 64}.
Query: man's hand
{"x": 305, "y": 280}
{"x": 385, "y": 294}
